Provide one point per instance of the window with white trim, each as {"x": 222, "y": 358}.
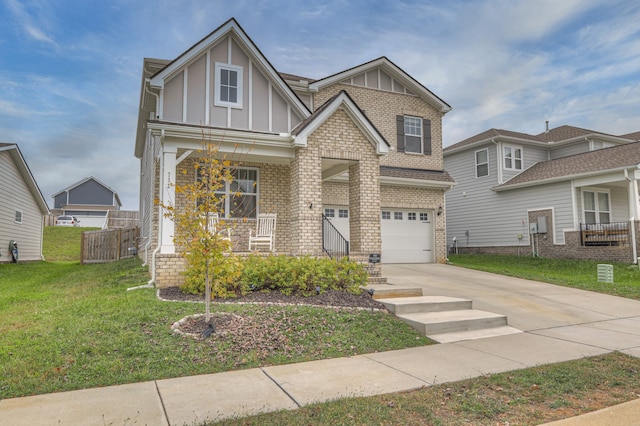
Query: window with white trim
{"x": 239, "y": 197}
{"x": 386, "y": 215}
{"x": 329, "y": 212}
{"x": 343, "y": 213}
{"x": 18, "y": 217}
{"x": 228, "y": 90}
{"x": 397, "y": 215}
{"x": 512, "y": 157}
{"x": 411, "y": 216}
{"x": 413, "y": 134}
{"x": 424, "y": 217}
{"x": 482, "y": 163}
{"x": 596, "y": 206}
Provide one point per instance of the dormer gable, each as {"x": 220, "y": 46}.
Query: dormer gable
{"x": 344, "y": 102}
{"x": 382, "y": 74}
{"x": 225, "y": 81}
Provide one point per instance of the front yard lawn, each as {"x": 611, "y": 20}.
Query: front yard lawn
{"x": 67, "y": 326}
{"x": 580, "y": 274}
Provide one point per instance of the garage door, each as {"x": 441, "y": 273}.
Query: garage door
{"x": 407, "y": 236}
{"x": 339, "y": 218}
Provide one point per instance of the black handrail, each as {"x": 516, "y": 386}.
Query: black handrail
{"x": 333, "y": 243}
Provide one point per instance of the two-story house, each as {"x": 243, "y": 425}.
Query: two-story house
{"x": 89, "y": 200}
{"x": 361, "y": 149}
{"x": 567, "y": 192}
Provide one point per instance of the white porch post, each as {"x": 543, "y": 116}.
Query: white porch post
{"x": 168, "y": 194}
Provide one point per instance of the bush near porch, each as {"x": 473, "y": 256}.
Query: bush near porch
{"x": 297, "y": 276}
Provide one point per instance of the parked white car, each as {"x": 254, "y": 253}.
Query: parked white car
{"x": 67, "y": 221}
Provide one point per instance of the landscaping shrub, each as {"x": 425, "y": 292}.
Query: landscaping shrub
{"x": 300, "y": 276}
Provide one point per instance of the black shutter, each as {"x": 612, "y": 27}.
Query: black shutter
{"x": 400, "y": 131}
{"x": 426, "y": 136}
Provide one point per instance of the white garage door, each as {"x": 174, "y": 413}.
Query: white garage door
{"x": 407, "y": 236}
{"x": 339, "y": 218}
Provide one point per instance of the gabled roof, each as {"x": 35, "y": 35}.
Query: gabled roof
{"x": 80, "y": 182}
{"x": 392, "y": 69}
{"x": 344, "y": 101}
{"x": 556, "y": 136}
{"x": 230, "y": 27}
{"x": 635, "y": 136}
{"x": 588, "y": 163}
{"x": 490, "y": 135}
{"x": 571, "y": 133}
{"x": 27, "y": 176}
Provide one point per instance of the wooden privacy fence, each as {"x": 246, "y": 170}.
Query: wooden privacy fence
{"x": 109, "y": 245}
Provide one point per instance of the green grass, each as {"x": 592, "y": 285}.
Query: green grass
{"x": 62, "y": 243}
{"x": 67, "y": 326}
{"x": 524, "y": 397}
{"x": 581, "y": 274}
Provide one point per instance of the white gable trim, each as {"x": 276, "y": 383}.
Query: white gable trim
{"x": 344, "y": 102}
{"x": 232, "y": 28}
{"x": 394, "y": 71}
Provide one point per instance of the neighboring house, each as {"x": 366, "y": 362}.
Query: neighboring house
{"x": 89, "y": 200}
{"x": 362, "y": 148}
{"x": 22, "y": 207}
{"x": 567, "y": 192}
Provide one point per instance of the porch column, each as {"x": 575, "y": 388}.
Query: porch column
{"x": 306, "y": 203}
{"x": 634, "y": 196}
{"x": 364, "y": 208}
{"x": 167, "y": 197}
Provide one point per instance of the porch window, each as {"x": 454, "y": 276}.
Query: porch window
{"x": 482, "y": 163}
{"x": 239, "y": 198}
{"x": 228, "y": 85}
{"x": 512, "y": 158}
{"x": 596, "y": 207}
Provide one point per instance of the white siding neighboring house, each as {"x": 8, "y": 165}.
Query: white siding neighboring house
{"x": 22, "y": 207}
{"x": 89, "y": 200}
{"x": 577, "y": 188}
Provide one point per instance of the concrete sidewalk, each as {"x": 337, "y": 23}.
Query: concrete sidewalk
{"x": 559, "y": 324}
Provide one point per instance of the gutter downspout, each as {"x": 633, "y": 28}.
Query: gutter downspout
{"x": 151, "y": 282}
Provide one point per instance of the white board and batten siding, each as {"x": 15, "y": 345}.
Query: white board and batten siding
{"x": 15, "y": 195}
{"x": 189, "y": 94}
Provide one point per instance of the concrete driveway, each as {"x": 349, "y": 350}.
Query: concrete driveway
{"x": 594, "y": 319}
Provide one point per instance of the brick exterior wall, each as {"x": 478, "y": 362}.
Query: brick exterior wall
{"x": 381, "y": 108}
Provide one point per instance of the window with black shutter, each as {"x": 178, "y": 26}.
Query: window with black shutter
{"x": 414, "y": 134}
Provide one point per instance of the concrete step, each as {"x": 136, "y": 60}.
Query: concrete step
{"x": 459, "y": 336}
{"x": 431, "y": 323}
{"x": 385, "y": 291}
{"x": 410, "y": 305}
{"x": 377, "y": 280}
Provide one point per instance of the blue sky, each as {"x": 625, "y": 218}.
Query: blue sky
{"x": 70, "y": 71}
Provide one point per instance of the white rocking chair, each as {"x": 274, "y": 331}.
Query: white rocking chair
{"x": 265, "y": 232}
{"x": 214, "y": 227}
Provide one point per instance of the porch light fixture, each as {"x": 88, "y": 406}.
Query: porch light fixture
{"x": 439, "y": 210}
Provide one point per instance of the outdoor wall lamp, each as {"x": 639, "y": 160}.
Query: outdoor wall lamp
{"x": 439, "y": 210}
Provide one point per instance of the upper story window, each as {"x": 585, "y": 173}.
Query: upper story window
{"x": 414, "y": 134}
{"x": 482, "y": 163}
{"x": 228, "y": 85}
{"x": 512, "y": 157}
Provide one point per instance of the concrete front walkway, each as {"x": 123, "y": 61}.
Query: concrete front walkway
{"x": 559, "y": 324}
